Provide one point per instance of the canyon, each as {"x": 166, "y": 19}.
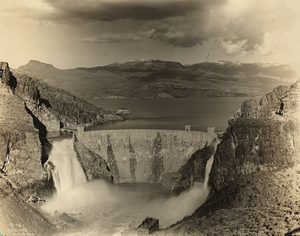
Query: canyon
{"x": 29, "y": 110}
{"x": 254, "y": 181}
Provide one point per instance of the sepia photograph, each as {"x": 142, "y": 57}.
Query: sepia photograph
{"x": 149, "y": 117}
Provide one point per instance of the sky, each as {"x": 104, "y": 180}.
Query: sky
{"x": 73, "y": 33}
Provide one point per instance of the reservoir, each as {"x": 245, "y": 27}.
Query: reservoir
{"x": 172, "y": 114}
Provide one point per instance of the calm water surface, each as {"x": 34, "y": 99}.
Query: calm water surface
{"x": 174, "y": 114}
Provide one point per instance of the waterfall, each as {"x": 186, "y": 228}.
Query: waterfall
{"x": 175, "y": 208}
{"x": 207, "y": 171}
{"x": 66, "y": 170}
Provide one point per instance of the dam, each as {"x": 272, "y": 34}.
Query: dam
{"x": 143, "y": 155}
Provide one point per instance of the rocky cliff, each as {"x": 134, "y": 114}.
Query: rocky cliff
{"x": 255, "y": 177}
{"x": 194, "y": 169}
{"x": 94, "y": 166}
{"x": 57, "y": 106}
{"x": 19, "y": 140}
{"x": 29, "y": 109}
{"x": 259, "y": 139}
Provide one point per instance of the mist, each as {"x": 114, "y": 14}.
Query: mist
{"x": 108, "y": 209}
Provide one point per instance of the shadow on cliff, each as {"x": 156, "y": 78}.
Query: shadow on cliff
{"x": 42, "y": 101}
{"x": 291, "y": 233}
{"x": 12, "y": 83}
{"x": 46, "y": 145}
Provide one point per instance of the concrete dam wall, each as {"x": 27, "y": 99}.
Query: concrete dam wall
{"x": 144, "y": 155}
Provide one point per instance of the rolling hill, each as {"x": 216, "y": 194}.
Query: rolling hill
{"x": 164, "y": 79}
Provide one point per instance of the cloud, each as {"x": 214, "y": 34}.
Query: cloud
{"x": 104, "y": 10}
{"x": 246, "y": 27}
{"x": 235, "y": 26}
{"x": 117, "y": 37}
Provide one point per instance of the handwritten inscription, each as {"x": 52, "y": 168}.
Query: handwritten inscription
{"x": 17, "y": 230}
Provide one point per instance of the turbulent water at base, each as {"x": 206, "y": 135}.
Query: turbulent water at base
{"x": 176, "y": 208}
{"x": 67, "y": 172}
{"x": 118, "y": 209}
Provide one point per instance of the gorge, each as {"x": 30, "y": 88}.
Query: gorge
{"x": 254, "y": 179}
{"x": 92, "y": 201}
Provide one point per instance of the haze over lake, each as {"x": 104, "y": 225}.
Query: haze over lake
{"x": 173, "y": 114}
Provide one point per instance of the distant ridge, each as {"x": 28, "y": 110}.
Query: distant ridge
{"x": 164, "y": 79}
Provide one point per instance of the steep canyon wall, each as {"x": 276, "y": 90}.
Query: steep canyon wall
{"x": 144, "y": 155}
{"x": 255, "y": 177}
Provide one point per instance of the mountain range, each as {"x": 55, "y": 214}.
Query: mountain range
{"x": 164, "y": 79}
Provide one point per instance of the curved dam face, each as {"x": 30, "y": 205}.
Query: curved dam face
{"x": 144, "y": 155}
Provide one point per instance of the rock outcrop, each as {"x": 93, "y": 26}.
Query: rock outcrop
{"x": 56, "y": 107}
{"x": 20, "y": 141}
{"x": 258, "y": 139}
{"x": 94, "y": 166}
{"x": 194, "y": 169}
{"x": 29, "y": 110}
{"x": 255, "y": 177}
{"x": 24, "y": 174}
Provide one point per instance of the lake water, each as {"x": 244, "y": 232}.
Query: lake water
{"x": 172, "y": 114}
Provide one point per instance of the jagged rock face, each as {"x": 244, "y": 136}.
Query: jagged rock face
{"x": 20, "y": 139}
{"x": 6, "y": 73}
{"x": 255, "y": 174}
{"x": 29, "y": 109}
{"x": 257, "y": 204}
{"x": 252, "y": 145}
{"x": 258, "y": 139}
{"x": 194, "y": 169}
{"x": 25, "y": 166}
{"x": 255, "y": 177}
{"x": 55, "y": 107}
{"x": 94, "y": 166}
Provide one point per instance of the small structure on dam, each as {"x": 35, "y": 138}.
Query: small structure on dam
{"x": 187, "y": 128}
{"x": 144, "y": 155}
{"x": 148, "y": 226}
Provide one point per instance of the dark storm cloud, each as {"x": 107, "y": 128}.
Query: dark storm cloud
{"x": 169, "y": 22}
{"x": 233, "y": 26}
{"x": 133, "y": 9}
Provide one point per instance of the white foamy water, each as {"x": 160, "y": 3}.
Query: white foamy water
{"x": 67, "y": 172}
{"x": 176, "y": 208}
{"x": 112, "y": 209}
{"x": 207, "y": 171}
